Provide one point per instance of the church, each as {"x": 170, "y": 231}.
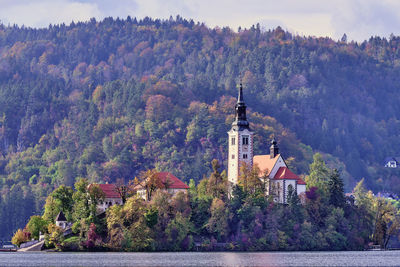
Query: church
{"x": 240, "y": 149}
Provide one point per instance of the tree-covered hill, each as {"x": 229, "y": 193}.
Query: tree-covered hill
{"x": 106, "y": 100}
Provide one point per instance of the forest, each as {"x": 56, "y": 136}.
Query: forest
{"x": 106, "y": 100}
{"x": 214, "y": 216}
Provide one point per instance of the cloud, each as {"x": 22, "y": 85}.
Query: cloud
{"x": 40, "y": 13}
{"x": 363, "y": 19}
{"x": 359, "y": 19}
{"x": 113, "y": 8}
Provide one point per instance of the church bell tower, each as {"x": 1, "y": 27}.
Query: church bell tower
{"x": 240, "y": 141}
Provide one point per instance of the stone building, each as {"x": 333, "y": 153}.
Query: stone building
{"x": 111, "y": 197}
{"x": 240, "y": 149}
{"x": 172, "y": 183}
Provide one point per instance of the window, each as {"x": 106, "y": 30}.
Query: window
{"x": 233, "y": 156}
{"x": 245, "y": 140}
{"x": 233, "y": 141}
{"x": 245, "y": 156}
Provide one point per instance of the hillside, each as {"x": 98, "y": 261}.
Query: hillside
{"x": 106, "y": 100}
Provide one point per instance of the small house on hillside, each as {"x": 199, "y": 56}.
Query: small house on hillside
{"x": 171, "y": 184}
{"x": 392, "y": 162}
{"x": 388, "y": 195}
{"x": 111, "y": 197}
{"x": 61, "y": 221}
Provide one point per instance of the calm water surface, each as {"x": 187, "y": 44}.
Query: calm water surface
{"x": 348, "y": 258}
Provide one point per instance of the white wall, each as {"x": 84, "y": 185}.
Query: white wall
{"x": 61, "y": 224}
{"x": 101, "y": 207}
{"x": 237, "y": 150}
{"x": 301, "y": 188}
{"x": 172, "y": 191}
{"x": 279, "y": 192}
{"x": 233, "y": 162}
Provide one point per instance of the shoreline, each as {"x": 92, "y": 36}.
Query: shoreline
{"x": 210, "y": 251}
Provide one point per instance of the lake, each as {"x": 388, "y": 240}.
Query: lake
{"x": 347, "y": 258}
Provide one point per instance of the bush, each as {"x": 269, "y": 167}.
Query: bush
{"x": 20, "y": 237}
{"x": 55, "y": 237}
{"x": 71, "y": 244}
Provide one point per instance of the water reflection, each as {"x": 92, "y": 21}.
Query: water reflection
{"x": 250, "y": 259}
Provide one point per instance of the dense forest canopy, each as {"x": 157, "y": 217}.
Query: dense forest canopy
{"x": 106, "y": 100}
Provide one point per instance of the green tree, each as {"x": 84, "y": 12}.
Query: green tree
{"x": 96, "y": 195}
{"x": 37, "y": 225}
{"x": 55, "y": 237}
{"x": 63, "y": 196}
{"x": 138, "y": 236}
{"x": 151, "y": 217}
{"x": 386, "y": 222}
{"x": 336, "y": 190}
{"x": 319, "y": 175}
{"x": 361, "y": 195}
{"x": 177, "y": 231}
{"x": 115, "y": 227}
{"x": 80, "y": 199}
{"x": 218, "y": 222}
{"x": 51, "y": 209}
{"x": 217, "y": 183}
{"x": 294, "y": 205}
{"x": 250, "y": 179}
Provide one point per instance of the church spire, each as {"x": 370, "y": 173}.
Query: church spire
{"x": 273, "y": 149}
{"x": 240, "y": 107}
{"x": 240, "y": 96}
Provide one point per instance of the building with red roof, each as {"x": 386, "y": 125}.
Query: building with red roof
{"x": 111, "y": 197}
{"x": 279, "y": 174}
{"x": 171, "y": 184}
{"x": 240, "y": 151}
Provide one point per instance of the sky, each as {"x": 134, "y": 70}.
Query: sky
{"x": 359, "y": 19}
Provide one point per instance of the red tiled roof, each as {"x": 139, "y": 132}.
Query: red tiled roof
{"x": 285, "y": 173}
{"x": 301, "y": 181}
{"x": 174, "y": 182}
{"x": 109, "y": 190}
{"x": 265, "y": 163}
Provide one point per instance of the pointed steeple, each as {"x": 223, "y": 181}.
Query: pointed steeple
{"x": 240, "y": 141}
{"x": 240, "y": 96}
{"x": 273, "y": 149}
{"x": 61, "y": 217}
{"x": 240, "y": 107}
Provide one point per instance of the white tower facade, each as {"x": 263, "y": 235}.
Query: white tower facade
{"x": 240, "y": 141}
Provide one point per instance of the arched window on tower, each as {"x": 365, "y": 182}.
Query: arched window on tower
{"x": 245, "y": 140}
